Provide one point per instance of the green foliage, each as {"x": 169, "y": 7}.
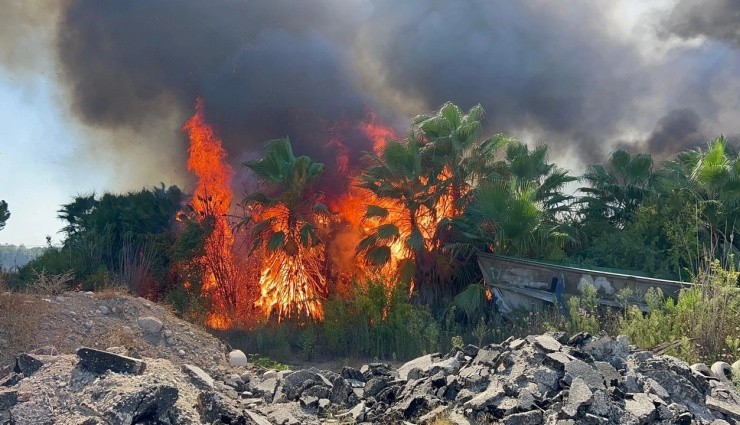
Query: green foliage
{"x": 114, "y": 239}
{"x": 4, "y": 214}
{"x": 583, "y": 315}
{"x": 266, "y": 362}
{"x": 701, "y": 325}
{"x": 457, "y": 342}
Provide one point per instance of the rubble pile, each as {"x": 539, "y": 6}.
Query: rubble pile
{"x": 539, "y": 379}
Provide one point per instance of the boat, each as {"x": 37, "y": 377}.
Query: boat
{"x": 518, "y": 283}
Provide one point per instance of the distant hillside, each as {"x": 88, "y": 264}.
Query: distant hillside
{"x": 12, "y": 256}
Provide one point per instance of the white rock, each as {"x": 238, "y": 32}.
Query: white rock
{"x": 103, "y": 310}
{"x": 150, "y": 324}
{"x": 237, "y": 358}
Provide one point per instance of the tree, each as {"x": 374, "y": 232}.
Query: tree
{"x": 285, "y": 222}
{"x": 710, "y": 178}
{"x": 515, "y": 210}
{"x": 126, "y": 236}
{"x": 403, "y": 214}
{"x": 4, "y": 214}
{"x": 616, "y": 189}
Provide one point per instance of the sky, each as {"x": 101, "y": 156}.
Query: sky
{"x": 93, "y": 94}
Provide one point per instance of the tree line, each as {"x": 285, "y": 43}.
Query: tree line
{"x": 440, "y": 195}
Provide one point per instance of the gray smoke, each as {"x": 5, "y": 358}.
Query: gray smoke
{"x": 679, "y": 130}
{"x": 717, "y": 19}
{"x": 546, "y": 72}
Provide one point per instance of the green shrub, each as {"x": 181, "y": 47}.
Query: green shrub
{"x": 701, "y": 325}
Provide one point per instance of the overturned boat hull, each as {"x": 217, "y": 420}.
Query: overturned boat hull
{"x": 519, "y": 283}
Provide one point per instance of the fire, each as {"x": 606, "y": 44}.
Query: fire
{"x": 211, "y": 202}
{"x": 292, "y": 281}
{"x": 294, "y": 268}
{"x": 378, "y": 132}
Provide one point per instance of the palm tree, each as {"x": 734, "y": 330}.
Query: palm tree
{"x": 515, "y": 210}
{"x": 712, "y": 179}
{"x": 285, "y": 222}
{"x": 615, "y": 190}
{"x": 403, "y": 212}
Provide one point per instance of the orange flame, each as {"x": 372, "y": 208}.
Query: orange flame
{"x": 211, "y": 201}
{"x": 292, "y": 281}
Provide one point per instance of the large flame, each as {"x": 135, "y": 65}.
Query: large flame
{"x": 211, "y": 201}
{"x": 293, "y": 279}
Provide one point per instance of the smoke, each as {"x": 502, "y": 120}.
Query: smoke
{"x": 718, "y": 19}
{"x": 679, "y": 130}
{"x": 275, "y": 68}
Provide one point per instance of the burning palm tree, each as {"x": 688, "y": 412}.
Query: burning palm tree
{"x": 286, "y": 224}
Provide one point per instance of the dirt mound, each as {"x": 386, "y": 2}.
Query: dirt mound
{"x": 61, "y": 324}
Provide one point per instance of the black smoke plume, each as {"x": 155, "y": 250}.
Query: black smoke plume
{"x": 275, "y": 68}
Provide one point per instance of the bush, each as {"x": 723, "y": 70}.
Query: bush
{"x": 701, "y": 325}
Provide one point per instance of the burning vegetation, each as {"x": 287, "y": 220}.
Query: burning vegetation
{"x": 386, "y": 225}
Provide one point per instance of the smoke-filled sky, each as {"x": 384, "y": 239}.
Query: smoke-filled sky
{"x": 93, "y": 93}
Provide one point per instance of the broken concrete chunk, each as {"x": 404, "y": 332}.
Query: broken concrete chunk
{"x": 579, "y": 395}
{"x": 641, "y": 407}
{"x": 27, "y": 364}
{"x": 98, "y": 361}
{"x": 533, "y": 417}
{"x": 198, "y": 376}
{"x": 580, "y": 369}
{"x": 730, "y": 409}
{"x": 547, "y": 343}
{"x": 8, "y": 399}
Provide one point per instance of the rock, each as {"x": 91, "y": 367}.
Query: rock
{"x": 547, "y": 343}
{"x": 533, "y": 417}
{"x": 448, "y": 366}
{"x": 198, "y": 376}
{"x": 283, "y": 417}
{"x": 269, "y": 374}
{"x": 149, "y": 324}
{"x": 470, "y": 350}
{"x": 492, "y": 394}
{"x": 475, "y": 377}
{"x": 8, "y": 399}
{"x": 98, "y": 361}
{"x": 149, "y": 404}
{"x": 27, "y": 364}
{"x": 487, "y": 356}
{"x": 374, "y": 386}
{"x": 214, "y": 409}
{"x": 267, "y": 388}
{"x": 352, "y": 373}
{"x": 610, "y": 375}
{"x": 103, "y": 310}
{"x": 580, "y": 369}
{"x": 558, "y": 360}
{"x": 652, "y": 386}
{"x": 422, "y": 363}
{"x": 167, "y": 333}
{"x": 257, "y": 418}
{"x": 416, "y": 406}
{"x": 579, "y": 395}
{"x": 357, "y": 413}
{"x": 309, "y": 401}
{"x": 730, "y": 409}
{"x": 641, "y": 407}
{"x": 237, "y": 358}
